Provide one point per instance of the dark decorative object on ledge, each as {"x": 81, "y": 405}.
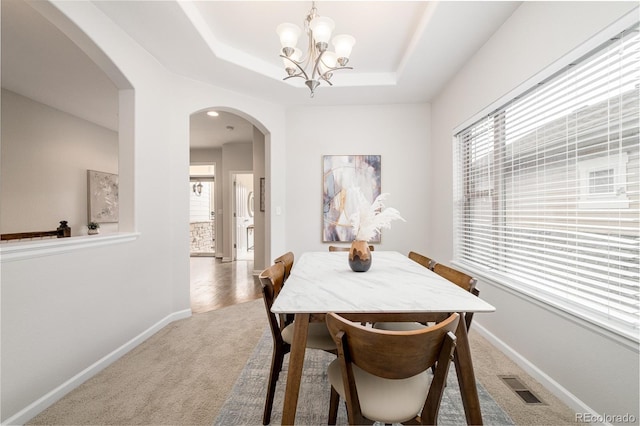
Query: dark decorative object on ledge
{"x": 63, "y": 230}
{"x": 359, "y": 256}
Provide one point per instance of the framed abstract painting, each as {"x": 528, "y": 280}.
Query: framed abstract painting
{"x": 102, "y": 189}
{"x": 341, "y": 173}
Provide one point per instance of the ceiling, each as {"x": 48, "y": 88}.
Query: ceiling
{"x": 405, "y": 52}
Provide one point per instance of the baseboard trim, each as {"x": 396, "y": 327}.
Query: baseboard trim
{"x": 554, "y": 387}
{"x": 56, "y": 394}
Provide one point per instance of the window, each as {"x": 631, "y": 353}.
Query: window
{"x": 547, "y": 189}
{"x": 603, "y": 182}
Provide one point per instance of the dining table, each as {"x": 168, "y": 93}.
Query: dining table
{"x": 395, "y": 288}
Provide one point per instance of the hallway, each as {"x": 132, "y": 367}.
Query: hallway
{"x": 215, "y": 284}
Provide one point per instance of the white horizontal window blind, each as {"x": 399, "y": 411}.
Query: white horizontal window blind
{"x": 547, "y": 188}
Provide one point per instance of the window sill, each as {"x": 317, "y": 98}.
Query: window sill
{"x": 626, "y": 337}
{"x": 30, "y": 249}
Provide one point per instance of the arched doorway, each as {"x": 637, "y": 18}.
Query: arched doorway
{"x": 230, "y": 143}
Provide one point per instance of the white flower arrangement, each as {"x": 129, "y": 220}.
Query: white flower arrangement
{"x": 369, "y": 219}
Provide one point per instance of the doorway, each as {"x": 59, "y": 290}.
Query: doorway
{"x": 202, "y": 226}
{"x": 243, "y": 243}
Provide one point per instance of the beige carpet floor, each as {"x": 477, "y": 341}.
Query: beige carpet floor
{"x": 179, "y": 376}
{"x": 183, "y": 374}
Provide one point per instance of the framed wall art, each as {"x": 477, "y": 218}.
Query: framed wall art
{"x": 102, "y": 189}
{"x": 340, "y": 173}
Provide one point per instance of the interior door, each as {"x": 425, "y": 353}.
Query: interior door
{"x": 243, "y": 216}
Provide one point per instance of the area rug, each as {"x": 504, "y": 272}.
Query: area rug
{"x": 245, "y": 404}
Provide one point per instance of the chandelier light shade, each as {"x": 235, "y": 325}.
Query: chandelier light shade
{"x": 321, "y": 27}
{"x": 343, "y": 44}
{"x": 318, "y": 63}
{"x": 289, "y": 34}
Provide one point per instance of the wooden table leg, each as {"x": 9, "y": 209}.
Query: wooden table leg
{"x": 296, "y": 362}
{"x": 466, "y": 376}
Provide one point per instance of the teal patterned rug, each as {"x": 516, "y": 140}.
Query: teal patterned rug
{"x": 246, "y": 401}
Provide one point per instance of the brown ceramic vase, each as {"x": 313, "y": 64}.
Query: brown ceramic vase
{"x": 359, "y": 256}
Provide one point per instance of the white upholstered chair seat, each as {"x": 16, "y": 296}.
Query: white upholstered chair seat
{"x": 384, "y": 400}
{"x": 318, "y": 336}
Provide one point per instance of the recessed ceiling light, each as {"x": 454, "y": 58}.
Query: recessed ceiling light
{"x": 212, "y": 113}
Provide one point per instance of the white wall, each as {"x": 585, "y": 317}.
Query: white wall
{"x": 45, "y": 157}
{"x": 399, "y": 133}
{"x": 205, "y": 156}
{"x": 587, "y": 367}
{"x": 59, "y": 328}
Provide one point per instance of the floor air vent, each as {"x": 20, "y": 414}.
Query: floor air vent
{"x": 521, "y": 390}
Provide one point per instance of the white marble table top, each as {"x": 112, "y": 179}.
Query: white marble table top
{"x": 323, "y": 282}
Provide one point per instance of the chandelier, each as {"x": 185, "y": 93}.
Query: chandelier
{"x": 319, "y": 63}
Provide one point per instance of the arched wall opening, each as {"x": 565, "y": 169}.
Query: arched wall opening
{"x": 126, "y": 109}
{"x": 235, "y": 142}
{"x": 60, "y": 128}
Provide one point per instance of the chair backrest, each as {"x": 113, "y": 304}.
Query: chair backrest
{"x": 462, "y": 280}
{"x": 393, "y": 355}
{"x": 402, "y": 354}
{"x": 340, "y": 248}
{"x": 423, "y": 260}
{"x": 272, "y": 280}
{"x": 287, "y": 260}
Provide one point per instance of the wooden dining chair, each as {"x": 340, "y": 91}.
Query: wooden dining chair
{"x": 423, "y": 260}
{"x": 407, "y": 326}
{"x": 341, "y": 248}
{"x": 318, "y": 337}
{"x": 287, "y": 260}
{"x": 382, "y": 375}
{"x": 460, "y": 279}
